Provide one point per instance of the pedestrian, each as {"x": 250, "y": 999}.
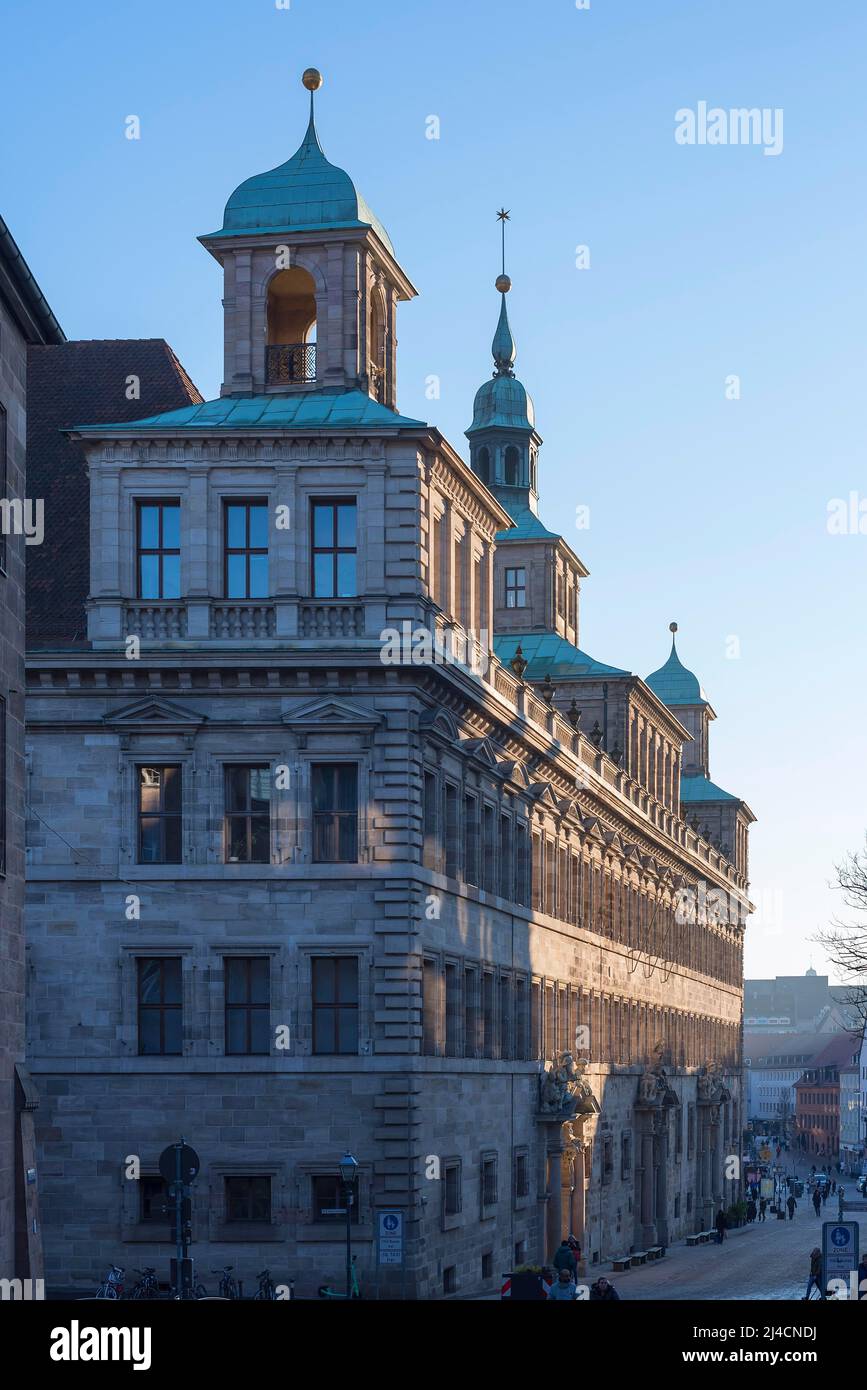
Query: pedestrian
{"x": 791, "y": 1204}
{"x": 817, "y": 1201}
{"x": 563, "y": 1290}
{"x": 833, "y": 1187}
{"x": 815, "y": 1272}
{"x": 603, "y": 1291}
{"x": 565, "y": 1259}
{"x": 720, "y": 1224}
{"x": 862, "y": 1279}
{"x": 763, "y": 1208}
{"x": 825, "y": 1190}
{"x": 751, "y": 1212}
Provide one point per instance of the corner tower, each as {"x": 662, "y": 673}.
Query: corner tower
{"x": 311, "y": 283}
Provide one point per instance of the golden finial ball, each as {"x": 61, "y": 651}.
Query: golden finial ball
{"x": 503, "y": 284}
{"x": 311, "y": 78}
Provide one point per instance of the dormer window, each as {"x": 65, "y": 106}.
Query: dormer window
{"x": 159, "y": 549}
{"x": 291, "y": 328}
{"x": 516, "y": 588}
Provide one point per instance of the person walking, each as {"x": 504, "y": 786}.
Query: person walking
{"x": 763, "y": 1208}
{"x": 826, "y": 1188}
{"x": 862, "y": 1279}
{"x": 751, "y": 1212}
{"x": 817, "y": 1201}
{"x": 791, "y": 1204}
{"x": 721, "y": 1225}
{"x": 603, "y": 1291}
{"x": 815, "y": 1276}
{"x": 565, "y": 1259}
{"x": 563, "y": 1289}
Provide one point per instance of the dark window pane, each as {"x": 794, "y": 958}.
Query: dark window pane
{"x": 172, "y": 831}
{"x": 323, "y": 778}
{"x": 171, "y": 576}
{"x": 149, "y": 527}
{"x": 149, "y": 576}
{"x": 258, "y": 527}
{"x": 259, "y": 980}
{"x": 346, "y": 586}
{"x": 236, "y": 981}
{"x": 324, "y": 981}
{"x": 324, "y": 1030}
{"x": 347, "y": 787}
{"x": 171, "y": 528}
{"x": 236, "y": 526}
{"x": 237, "y": 839}
{"x": 258, "y": 576}
{"x": 260, "y": 788}
{"x": 149, "y": 1032}
{"x": 172, "y": 1025}
{"x": 171, "y": 981}
{"x": 260, "y": 839}
{"x": 260, "y": 1039}
{"x": 346, "y": 525}
{"x": 347, "y": 1037}
{"x": 149, "y": 981}
{"x": 150, "y": 840}
{"x": 347, "y": 979}
{"x": 236, "y": 788}
{"x": 323, "y": 576}
{"x": 171, "y": 778}
{"x": 347, "y": 848}
{"x": 236, "y": 1030}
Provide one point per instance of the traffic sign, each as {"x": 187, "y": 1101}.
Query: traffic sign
{"x": 189, "y": 1169}
{"x": 839, "y": 1250}
{"x": 389, "y": 1238}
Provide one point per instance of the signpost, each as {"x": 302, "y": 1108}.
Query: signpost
{"x": 389, "y": 1238}
{"x": 179, "y": 1166}
{"x": 839, "y": 1251}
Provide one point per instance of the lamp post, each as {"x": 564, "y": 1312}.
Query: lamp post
{"x": 348, "y": 1176}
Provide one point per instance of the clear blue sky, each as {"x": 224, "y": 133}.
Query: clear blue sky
{"x": 706, "y": 261}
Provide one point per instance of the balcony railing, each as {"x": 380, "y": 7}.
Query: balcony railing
{"x": 287, "y": 364}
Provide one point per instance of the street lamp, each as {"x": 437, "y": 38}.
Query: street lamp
{"x": 348, "y": 1168}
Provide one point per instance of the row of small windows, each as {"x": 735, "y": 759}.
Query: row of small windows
{"x": 333, "y": 548}
{"x": 247, "y": 813}
{"x": 473, "y": 1010}
{"x": 247, "y": 1005}
{"x": 467, "y": 837}
{"x": 246, "y": 1199}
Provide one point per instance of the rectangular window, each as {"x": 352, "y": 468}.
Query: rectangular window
{"x": 436, "y": 561}
{"x": 248, "y": 1199}
{"x": 335, "y": 813}
{"x": 335, "y": 1005}
{"x": 607, "y": 1159}
{"x": 430, "y": 849}
{"x": 430, "y": 1008}
{"x": 160, "y": 1015}
{"x": 153, "y": 1199}
{"x": 625, "y": 1155}
{"x": 334, "y": 548}
{"x": 489, "y": 852}
{"x": 507, "y": 867}
{"x": 505, "y": 1016}
{"x": 451, "y": 1189}
{"x": 450, "y": 1279}
{"x": 471, "y": 1011}
{"x": 536, "y": 1033}
{"x": 159, "y": 815}
{"x": 245, "y": 549}
{"x": 329, "y": 1200}
{"x": 550, "y": 1021}
{"x": 248, "y": 815}
{"x": 452, "y": 831}
{"x": 489, "y": 1182}
{"x": 521, "y": 1030}
{"x": 487, "y": 1013}
{"x": 516, "y": 588}
{"x": 248, "y": 1004}
{"x": 522, "y": 1175}
{"x": 453, "y": 1005}
{"x": 159, "y": 549}
{"x": 471, "y": 839}
{"x": 522, "y": 865}
{"x": 538, "y": 899}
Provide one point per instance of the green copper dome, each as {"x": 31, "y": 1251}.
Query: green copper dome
{"x": 304, "y": 194}
{"x": 503, "y": 402}
{"x": 673, "y": 683}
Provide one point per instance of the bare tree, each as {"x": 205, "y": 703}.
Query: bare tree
{"x": 845, "y": 942}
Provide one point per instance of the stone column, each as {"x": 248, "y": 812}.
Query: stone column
{"x": 554, "y": 1212}
{"x": 648, "y": 1229}
{"x": 662, "y": 1180}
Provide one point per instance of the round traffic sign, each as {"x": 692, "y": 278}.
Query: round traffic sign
{"x": 189, "y": 1165}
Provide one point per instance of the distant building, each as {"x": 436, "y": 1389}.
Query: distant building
{"x": 818, "y": 1099}
{"x": 773, "y": 1063}
{"x": 797, "y": 1004}
{"x": 25, "y": 319}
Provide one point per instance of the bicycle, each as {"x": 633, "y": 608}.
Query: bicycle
{"x": 325, "y": 1290}
{"x": 228, "y": 1285}
{"x": 111, "y": 1286}
{"x": 147, "y": 1286}
{"x": 267, "y": 1290}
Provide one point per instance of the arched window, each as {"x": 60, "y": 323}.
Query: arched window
{"x": 291, "y": 327}
{"x": 376, "y": 370}
{"x": 512, "y": 466}
{"x": 483, "y": 464}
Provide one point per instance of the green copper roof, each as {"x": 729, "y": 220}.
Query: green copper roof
{"x": 527, "y": 525}
{"x": 308, "y": 410}
{"x": 674, "y": 684}
{"x": 304, "y": 194}
{"x": 699, "y": 788}
{"x": 547, "y": 654}
{"x": 502, "y": 402}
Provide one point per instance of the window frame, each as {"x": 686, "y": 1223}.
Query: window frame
{"x": 159, "y": 550}
{"x": 335, "y": 550}
{"x": 162, "y": 1007}
{"x": 249, "y": 815}
{"x": 335, "y": 1005}
{"x": 248, "y": 1006}
{"x": 336, "y": 816}
{"x": 161, "y": 815}
{"x": 515, "y": 587}
{"x": 246, "y": 550}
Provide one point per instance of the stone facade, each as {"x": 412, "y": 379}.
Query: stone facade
{"x": 491, "y": 890}
{"x": 25, "y": 319}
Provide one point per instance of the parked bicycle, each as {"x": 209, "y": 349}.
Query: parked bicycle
{"x": 325, "y": 1290}
{"x": 267, "y": 1290}
{"x": 147, "y": 1286}
{"x": 228, "y": 1285}
{"x": 111, "y": 1286}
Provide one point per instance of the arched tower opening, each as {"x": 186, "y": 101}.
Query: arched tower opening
{"x": 291, "y": 327}
{"x": 377, "y": 364}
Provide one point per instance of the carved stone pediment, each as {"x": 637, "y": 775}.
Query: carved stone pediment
{"x": 153, "y": 715}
